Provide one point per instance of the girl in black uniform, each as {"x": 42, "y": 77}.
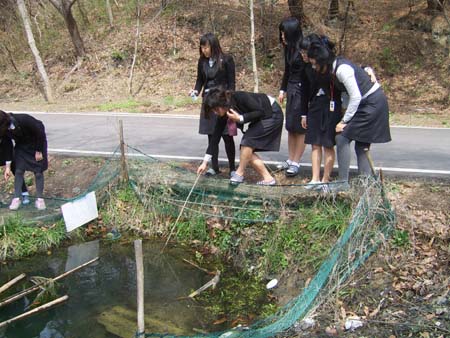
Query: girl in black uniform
{"x": 291, "y": 87}
{"x": 265, "y": 119}
{"x": 321, "y": 104}
{"x": 366, "y": 117}
{"x": 30, "y": 153}
{"x": 215, "y": 69}
{"x": 6, "y": 159}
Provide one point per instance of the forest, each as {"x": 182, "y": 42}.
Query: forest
{"x": 140, "y": 55}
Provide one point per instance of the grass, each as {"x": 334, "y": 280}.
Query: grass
{"x": 129, "y": 105}
{"x": 18, "y": 239}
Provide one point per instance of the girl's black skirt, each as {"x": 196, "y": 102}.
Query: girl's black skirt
{"x": 24, "y": 157}
{"x": 370, "y": 124}
{"x": 265, "y": 135}
{"x": 322, "y": 122}
{"x": 293, "y": 108}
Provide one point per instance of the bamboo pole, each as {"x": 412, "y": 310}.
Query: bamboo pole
{"x": 140, "y": 286}
{"x": 34, "y": 311}
{"x": 122, "y": 154}
{"x": 12, "y": 282}
{"x": 32, "y": 289}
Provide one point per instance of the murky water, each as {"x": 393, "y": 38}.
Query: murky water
{"x": 102, "y": 296}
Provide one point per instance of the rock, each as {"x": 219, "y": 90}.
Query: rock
{"x": 121, "y": 322}
{"x": 305, "y": 324}
{"x": 352, "y": 323}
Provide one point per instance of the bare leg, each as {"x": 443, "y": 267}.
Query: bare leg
{"x": 328, "y": 164}
{"x": 296, "y": 146}
{"x": 316, "y": 159}
{"x": 260, "y": 168}
{"x": 244, "y": 159}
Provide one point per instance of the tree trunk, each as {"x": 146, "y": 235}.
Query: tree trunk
{"x": 435, "y": 5}
{"x": 333, "y": 10}
{"x": 64, "y": 7}
{"x": 40, "y": 65}
{"x": 296, "y": 9}
{"x": 110, "y": 15}
{"x": 252, "y": 42}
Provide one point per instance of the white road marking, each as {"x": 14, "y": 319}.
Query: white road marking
{"x": 174, "y": 157}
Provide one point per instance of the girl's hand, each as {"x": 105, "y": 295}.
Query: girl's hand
{"x": 340, "y": 127}
{"x": 38, "y": 156}
{"x": 7, "y": 174}
{"x": 304, "y": 122}
{"x": 281, "y": 97}
{"x": 202, "y": 168}
{"x": 233, "y": 115}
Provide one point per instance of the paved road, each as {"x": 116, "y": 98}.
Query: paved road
{"x": 413, "y": 150}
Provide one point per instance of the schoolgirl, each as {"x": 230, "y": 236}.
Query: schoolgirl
{"x": 265, "y": 119}
{"x": 322, "y": 112}
{"x": 30, "y": 153}
{"x": 6, "y": 159}
{"x": 215, "y": 69}
{"x": 291, "y": 87}
{"x": 366, "y": 117}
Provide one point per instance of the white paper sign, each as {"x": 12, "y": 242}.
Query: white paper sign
{"x": 80, "y": 211}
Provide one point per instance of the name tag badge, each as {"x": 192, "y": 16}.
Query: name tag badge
{"x": 331, "y": 106}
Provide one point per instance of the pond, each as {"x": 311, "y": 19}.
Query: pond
{"x": 102, "y": 296}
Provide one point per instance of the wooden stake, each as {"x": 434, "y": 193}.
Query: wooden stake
{"x": 12, "y": 282}
{"x": 140, "y": 286}
{"x": 34, "y": 311}
{"x": 37, "y": 287}
{"x": 122, "y": 154}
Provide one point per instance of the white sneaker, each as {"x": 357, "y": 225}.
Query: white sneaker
{"x": 40, "y": 204}
{"x": 25, "y": 199}
{"x": 312, "y": 185}
{"x": 15, "y": 203}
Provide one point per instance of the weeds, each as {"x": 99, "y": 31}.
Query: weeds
{"x": 18, "y": 239}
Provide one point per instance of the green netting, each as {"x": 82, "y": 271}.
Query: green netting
{"x": 29, "y": 214}
{"x": 169, "y": 185}
{"x": 164, "y": 188}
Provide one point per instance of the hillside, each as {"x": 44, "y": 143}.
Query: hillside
{"x": 389, "y": 35}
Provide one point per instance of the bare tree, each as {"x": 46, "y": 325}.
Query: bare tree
{"x": 333, "y": 10}
{"x": 136, "y": 45}
{"x": 40, "y": 65}
{"x": 64, "y": 7}
{"x": 436, "y": 5}
{"x": 252, "y": 42}
{"x": 296, "y": 9}
{"x": 110, "y": 15}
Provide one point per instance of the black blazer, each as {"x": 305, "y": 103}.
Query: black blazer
{"x": 209, "y": 77}
{"x": 293, "y": 68}
{"x": 6, "y": 150}
{"x": 28, "y": 131}
{"x": 252, "y": 106}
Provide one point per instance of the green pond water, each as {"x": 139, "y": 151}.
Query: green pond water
{"x": 102, "y": 296}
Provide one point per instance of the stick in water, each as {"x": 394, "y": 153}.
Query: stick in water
{"x": 181, "y": 212}
{"x": 37, "y": 287}
{"x": 12, "y": 282}
{"x": 36, "y": 310}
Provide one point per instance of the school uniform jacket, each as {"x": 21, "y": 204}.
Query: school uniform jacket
{"x": 293, "y": 68}
{"x": 252, "y": 106}
{"x": 29, "y": 137}
{"x": 210, "y": 77}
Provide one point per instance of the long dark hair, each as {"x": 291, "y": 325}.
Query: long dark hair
{"x": 5, "y": 121}
{"x": 293, "y": 36}
{"x": 216, "y": 97}
{"x": 216, "y": 51}
{"x": 322, "y": 53}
